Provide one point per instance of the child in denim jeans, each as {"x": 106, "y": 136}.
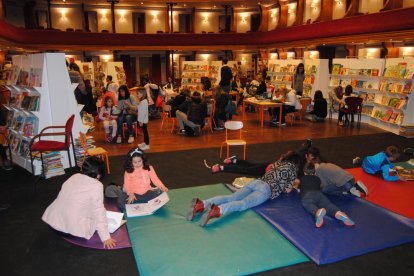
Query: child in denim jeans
{"x": 315, "y": 202}
{"x": 277, "y": 180}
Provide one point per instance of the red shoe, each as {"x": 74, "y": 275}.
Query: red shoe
{"x": 230, "y": 160}
{"x": 213, "y": 211}
{"x": 215, "y": 168}
{"x": 197, "y": 206}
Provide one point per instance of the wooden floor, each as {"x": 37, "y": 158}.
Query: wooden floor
{"x": 162, "y": 141}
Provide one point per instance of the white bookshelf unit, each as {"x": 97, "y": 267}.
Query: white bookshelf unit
{"x": 57, "y": 100}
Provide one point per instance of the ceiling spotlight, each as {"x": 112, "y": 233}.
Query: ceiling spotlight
{"x": 142, "y": 3}
{"x": 185, "y": 5}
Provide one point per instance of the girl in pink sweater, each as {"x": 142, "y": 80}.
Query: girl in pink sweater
{"x": 137, "y": 180}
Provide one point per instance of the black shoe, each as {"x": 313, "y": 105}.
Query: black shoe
{"x": 181, "y": 132}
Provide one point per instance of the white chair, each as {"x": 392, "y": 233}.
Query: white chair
{"x": 230, "y": 126}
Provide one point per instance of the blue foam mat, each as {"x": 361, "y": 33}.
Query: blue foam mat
{"x": 375, "y": 228}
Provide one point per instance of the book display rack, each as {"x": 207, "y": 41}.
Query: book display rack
{"x": 41, "y": 95}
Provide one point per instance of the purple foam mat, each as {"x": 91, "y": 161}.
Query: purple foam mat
{"x": 120, "y": 235}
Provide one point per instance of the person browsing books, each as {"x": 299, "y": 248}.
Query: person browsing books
{"x": 138, "y": 177}
{"x": 78, "y": 209}
{"x": 109, "y": 115}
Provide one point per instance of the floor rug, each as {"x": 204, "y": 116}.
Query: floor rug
{"x": 120, "y": 235}
{"x": 239, "y": 244}
{"x": 395, "y": 196}
{"x": 375, "y": 228}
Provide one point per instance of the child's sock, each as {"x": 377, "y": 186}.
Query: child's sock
{"x": 319, "y": 217}
{"x": 344, "y": 218}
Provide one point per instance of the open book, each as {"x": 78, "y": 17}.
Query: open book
{"x": 145, "y": 209}
{"x": 114, "y": 220}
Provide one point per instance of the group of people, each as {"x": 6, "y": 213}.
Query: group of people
{"x": 338, "y": 103}
{"x": 306, "y": 171}
{"x": 79, "y": 207}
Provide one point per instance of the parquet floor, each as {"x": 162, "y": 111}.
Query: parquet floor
{"x": 164, "y": 140}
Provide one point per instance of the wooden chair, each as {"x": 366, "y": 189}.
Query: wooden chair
{"x": 51, "y": 145}
{"x": 99, "y": 152}
{"x": 166, "y": 116}
{"x": 210, "y": 117}
{"x": 300, "y": 113}
{"x": 233, "y": 126}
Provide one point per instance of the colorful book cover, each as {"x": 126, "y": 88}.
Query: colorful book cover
{"x": 336, "y": 69}
{"x": 374, "y": 72}
{"x": 402, "y": 67}
{"x": 14, "y": 74}
{"x": 344, "y": 71}
{"x": 393, "y": 117}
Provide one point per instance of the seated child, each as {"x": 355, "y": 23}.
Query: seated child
{"x": 315, "y": 202}
{"x": 137, "y": 180}
{"x": 381, "y": 163}
{"x": 79, "y": 209}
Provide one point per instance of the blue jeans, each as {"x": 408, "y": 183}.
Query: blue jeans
{"x": 128, "y": 119}
{"x": 255, "y": 193}
{"x": 335, "y": 190}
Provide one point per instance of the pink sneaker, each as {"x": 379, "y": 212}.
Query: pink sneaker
{"x": 230, "y": 160}
{"x": 215, "y": 168}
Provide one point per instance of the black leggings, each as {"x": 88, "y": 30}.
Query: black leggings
{"x": 145, "y": 132}
{"x": 246, "y": 167}
{"x": 3, "y": 153}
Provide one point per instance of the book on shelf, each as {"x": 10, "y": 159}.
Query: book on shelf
{"x": 353, "y": 72}
{"x": 335, "y": 82}
{"x": 30, "y": 125}
{"x": 336, "y": 69}
{"x": 23, "y": 78}
{"x": 399, "y": 119}
{"x": 374, "y": 72}
{"x": 344, "y": 71}
{"x": 387, "y": 115}
{"x": 14, "y": 74}
{"x": 393, "y": 117}
{"x": 393, "y": 102}
{"x": 401, "y": 103}
{"x": 35, "y": 77}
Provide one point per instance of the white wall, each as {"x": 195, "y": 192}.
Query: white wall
{"x": 63, "y": 18}
{"x": 123, "y": 21}
{"x": 408, "y": 3}
{"x": 339, "y": 9}
{"x": 154, "y": 21}
{"x": 273, "y": 19}
{"x": 292, "y": 15}
{"x": 312, "y": 11}
{"x": 206, "y": 21}
{"x": 243, "y": 22}
{"x": 104, "y": 20}
{"x": 370, "y": 6}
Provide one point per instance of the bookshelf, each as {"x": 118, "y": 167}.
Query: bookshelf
{"x": 363, "y": 75}
{"x": 56, "y": 102}
{"x": 316, "y": 77}
{"x": 393, "y": 104}
{"x": 281, "y": 71}
{"x": 191, "y": 74}
{"x": 386, "y": 87}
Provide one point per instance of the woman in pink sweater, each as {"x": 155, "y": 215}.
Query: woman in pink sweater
{"x": 137, "y": 180}
{"x": 79, "y": 209}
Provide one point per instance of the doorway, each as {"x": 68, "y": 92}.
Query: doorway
{"x": 138, "y": 22}
{"x": 184, "y": 21}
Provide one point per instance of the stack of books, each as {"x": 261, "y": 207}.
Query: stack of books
{"x": 53, "y": 164}
{"x": 79, "y": 151}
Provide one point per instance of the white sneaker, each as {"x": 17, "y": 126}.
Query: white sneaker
{"x": 141, "y": 145}
{"x": 119, "y": 140}
{"x": 355, "y": 192}
{"x": 145, "y": 147}
{"x": 131, "y": 139}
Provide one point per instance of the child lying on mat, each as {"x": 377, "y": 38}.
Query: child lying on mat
{"x": 381, "y": 163}
{"x": 79, "y": 209}
{"x": 315, "y": 202}
{"x": 137, "y": 180}
{"x": 277, "y": 180}
{"x": 337, "y": 181}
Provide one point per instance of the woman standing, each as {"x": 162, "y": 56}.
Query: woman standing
{"x": 298, "y": 78}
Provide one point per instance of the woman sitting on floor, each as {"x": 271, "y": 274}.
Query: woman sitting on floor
{"x": 79, "y": 209}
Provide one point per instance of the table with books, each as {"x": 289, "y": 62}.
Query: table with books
{"x": 262, "y": 104}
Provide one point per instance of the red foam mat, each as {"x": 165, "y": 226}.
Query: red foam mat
{"x": 395, "y": 196}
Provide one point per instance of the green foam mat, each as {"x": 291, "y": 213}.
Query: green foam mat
{"x": 238, "y": 244}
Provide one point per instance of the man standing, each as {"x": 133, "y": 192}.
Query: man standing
{"x": 226, "y": 76}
